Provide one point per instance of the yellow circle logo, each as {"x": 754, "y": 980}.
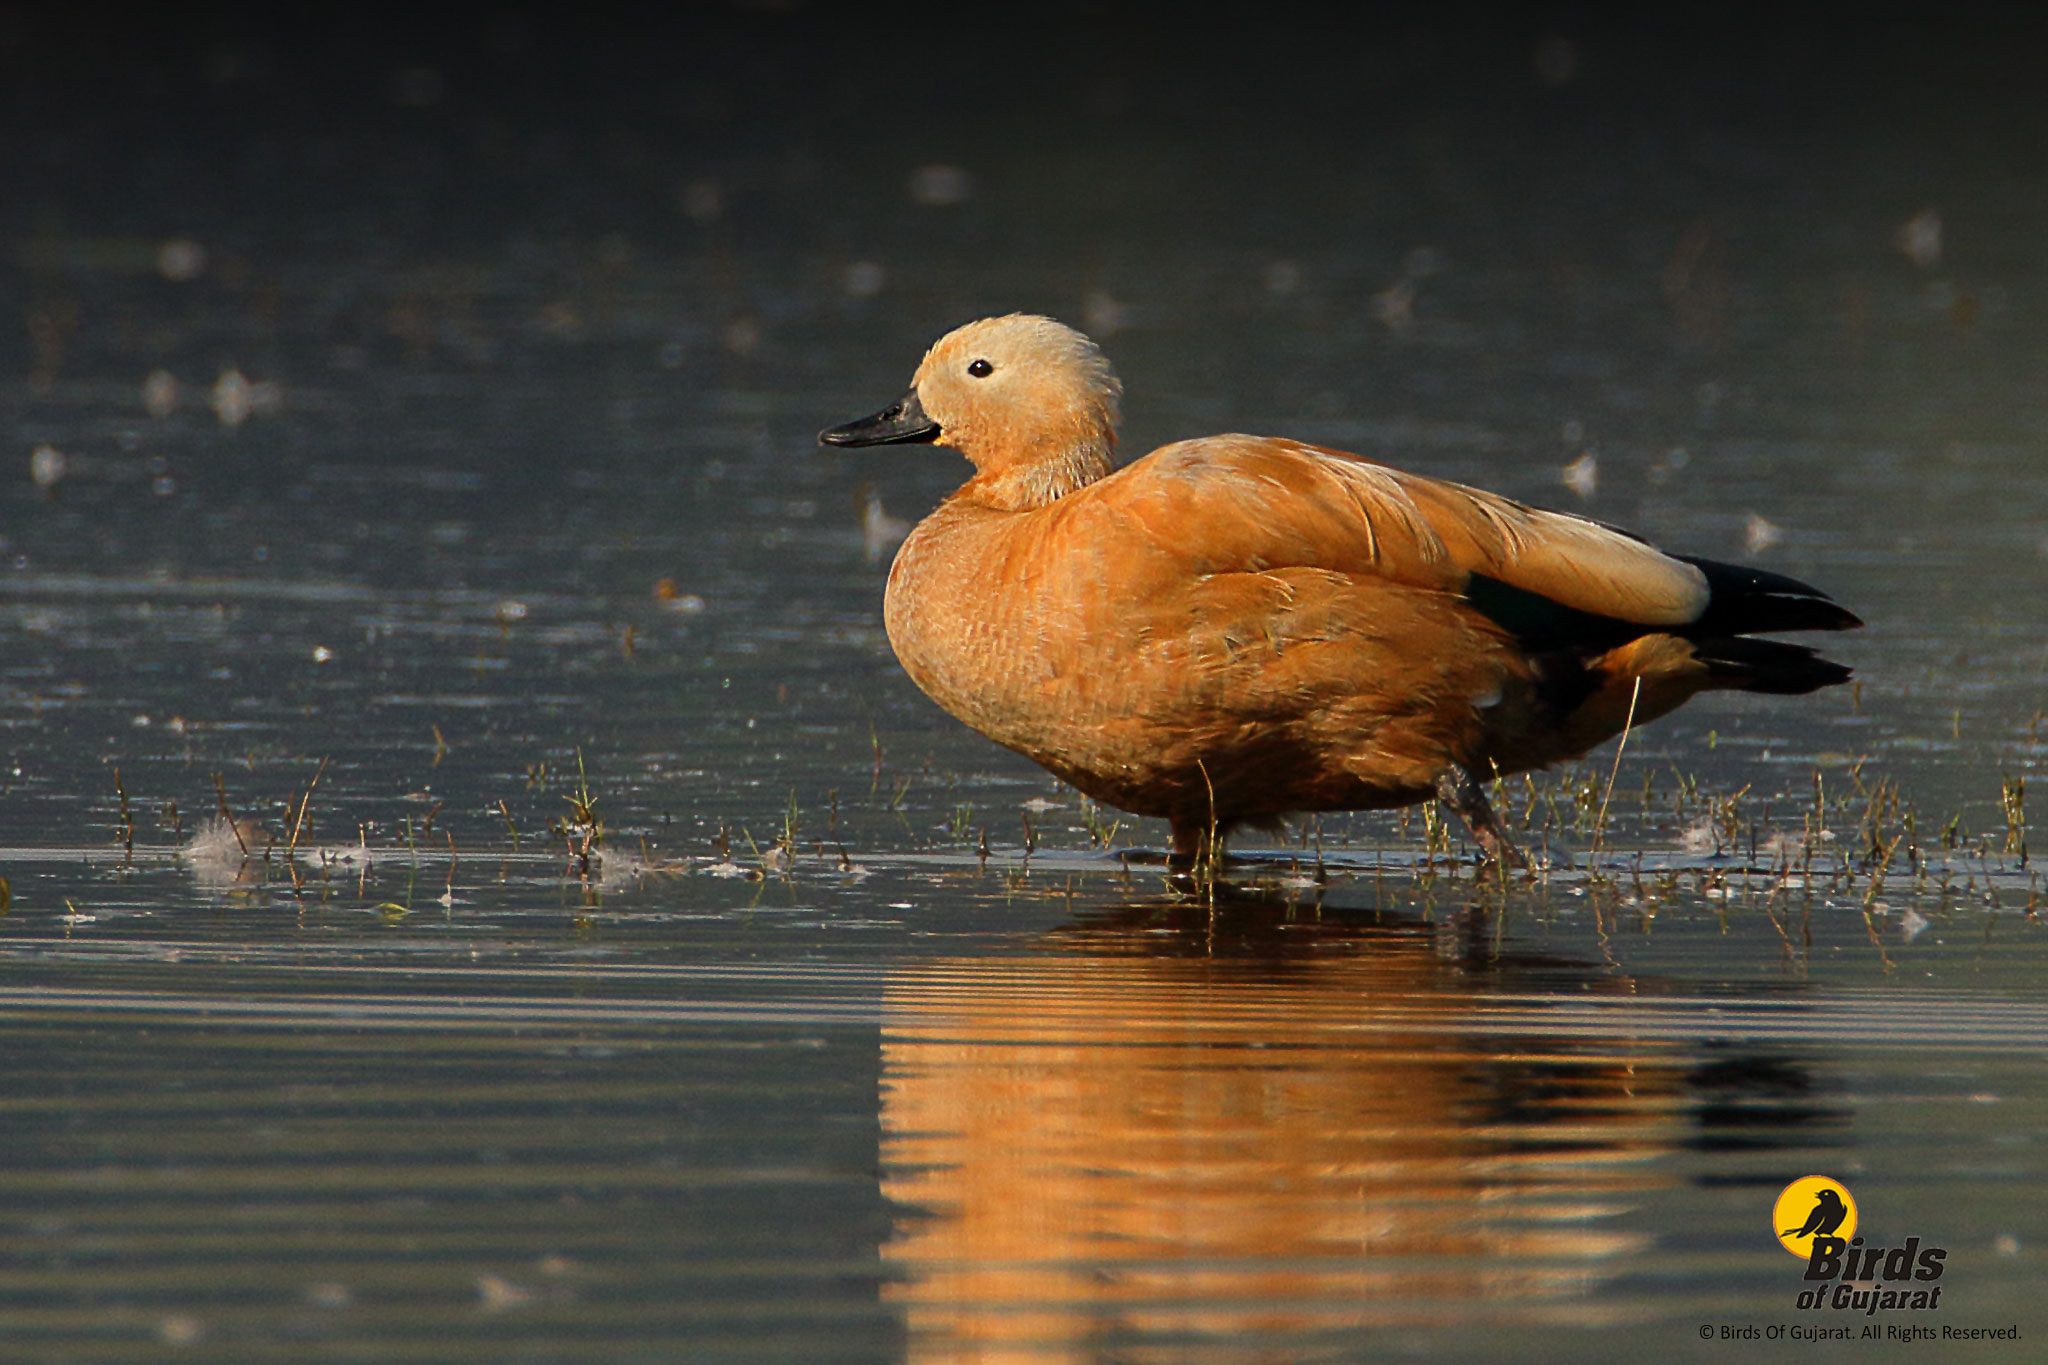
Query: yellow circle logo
{"x": 1812, "y": 1206}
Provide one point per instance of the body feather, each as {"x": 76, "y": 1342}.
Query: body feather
{"x": 1238, "y": 627}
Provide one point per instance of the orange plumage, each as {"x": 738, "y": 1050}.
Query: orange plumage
{"x": 1237, "y": 628}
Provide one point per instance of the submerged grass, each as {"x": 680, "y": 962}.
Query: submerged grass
{"x": 2012, "y": 802}
{"x": 1840, "y": 840}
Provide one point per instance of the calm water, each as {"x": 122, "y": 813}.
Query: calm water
{"x": 476, "y": 510}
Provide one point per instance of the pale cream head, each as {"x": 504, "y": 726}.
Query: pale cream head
{"x": 1030, "y": 401}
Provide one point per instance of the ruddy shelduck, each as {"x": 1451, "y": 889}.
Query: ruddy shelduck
{"x": 1238, "y": 628}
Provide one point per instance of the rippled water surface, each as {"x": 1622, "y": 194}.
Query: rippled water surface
{"x": 477, "y": 885}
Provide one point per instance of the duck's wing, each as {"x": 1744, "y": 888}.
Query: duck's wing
{"x": 1247, "y": 503}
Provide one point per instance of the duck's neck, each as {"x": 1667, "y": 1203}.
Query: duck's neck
{"x": 1040, "y": 482}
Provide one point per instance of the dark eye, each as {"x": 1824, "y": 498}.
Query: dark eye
{"x": 980, "y": 369}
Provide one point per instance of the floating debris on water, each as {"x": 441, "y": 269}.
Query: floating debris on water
{"x": 181, "y": 260}
{"x": 1672, "y": 462}
{"x": 1700, "y": 837}
{"x": 1759, "y": 534}
{"x": 1582, "y": 475}
{"x": 1394, "y": 306}
{"x": 1919, "y": 237}
{"x": 675, "y": 599}
{"x": 217, "y": 842}
{"x": 354, "y": 857}
{"x": 179, "y": 1329}
{"x": 235, "y": 399}
{"x": 879, "y": 532}
{"x": 940, "y": 186}
{"x": 495, "y": 1294}
{"x": 863, "y": 279}
{"x": 46, "y": 466}
{"x": 1104, "y": 312}
{"x": 160, "y": 394}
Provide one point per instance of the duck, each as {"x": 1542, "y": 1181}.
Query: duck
{"x": 1234, "y": 630}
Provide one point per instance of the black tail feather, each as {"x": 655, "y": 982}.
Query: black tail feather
{"x": 1742, "y": 602}
{"x": 1748, "y": 601}
{"x": 1767, "y": 665}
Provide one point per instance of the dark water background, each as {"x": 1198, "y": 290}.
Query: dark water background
{"x": 478, "y": 495}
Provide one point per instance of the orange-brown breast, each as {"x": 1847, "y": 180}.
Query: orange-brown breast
{"x": 1197, "y": 623}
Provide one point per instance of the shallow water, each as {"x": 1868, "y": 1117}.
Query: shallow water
{"x": 854, "y": 1037}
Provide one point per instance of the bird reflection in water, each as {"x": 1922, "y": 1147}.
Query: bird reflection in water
{"x": 1249, "y": 1118}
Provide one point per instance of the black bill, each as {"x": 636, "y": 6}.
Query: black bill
{"x": 901, "y": 423}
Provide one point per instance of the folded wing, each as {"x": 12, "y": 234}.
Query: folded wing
{"x": 1264, "y": 503}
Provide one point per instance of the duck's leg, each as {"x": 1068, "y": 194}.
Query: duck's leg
{"x": 1461, "y": 791}
{"x": 1192, "y": 846}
